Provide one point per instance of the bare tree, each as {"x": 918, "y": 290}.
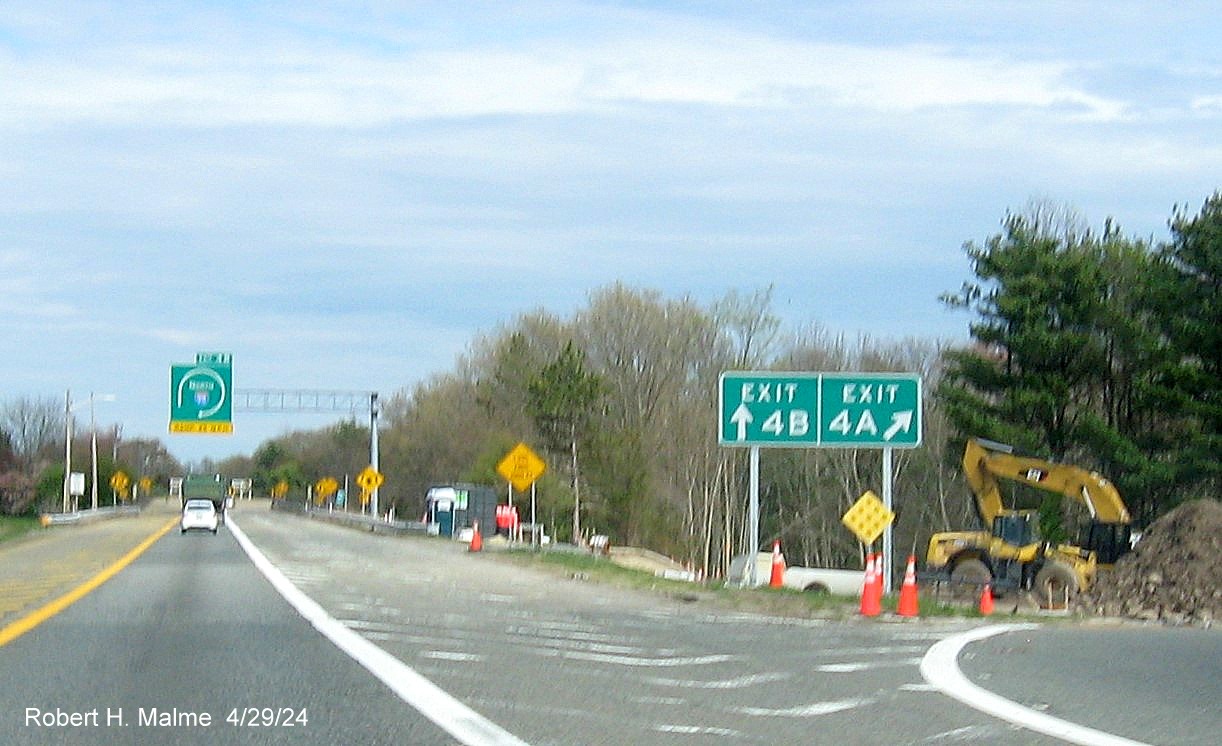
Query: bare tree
{"x": 33, "y": 425}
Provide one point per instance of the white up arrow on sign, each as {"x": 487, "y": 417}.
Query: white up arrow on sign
{"x": 742, "y": 417}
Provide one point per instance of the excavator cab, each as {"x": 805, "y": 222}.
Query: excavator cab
{"x": 1109, "y": 541}
{"x": 1017, "y": 529}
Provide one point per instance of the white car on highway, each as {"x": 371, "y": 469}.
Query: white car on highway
{"x": 199, "y": 514}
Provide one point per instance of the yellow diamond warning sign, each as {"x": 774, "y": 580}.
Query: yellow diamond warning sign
{"x": 369, "y": 479}
{"x": 521, "y": 467}
{"x": 868, "y": 518}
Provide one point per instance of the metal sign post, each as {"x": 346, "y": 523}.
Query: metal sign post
{"x": 887, "y": 501}
{"x": 754, "y": 536}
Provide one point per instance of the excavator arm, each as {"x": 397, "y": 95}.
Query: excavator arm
{"x": 985, "y": 462}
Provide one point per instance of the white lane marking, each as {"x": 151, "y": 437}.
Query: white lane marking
{"x": 806, "y": 711}
{"x": 430, "y": 700}
{"x": 941, "y": 668}
{"x": 446, "y": 655}
{"x": 738, "y": 683}
{"x": 695, "y": 730}
{"x": 625, "y": 660}
{"x": 561, "y": 633}
{"x": 864, "y": 666}
{"x": 497, "y": 598}
{"x": 884, "y": 650}
{"x": 660, "y": 700}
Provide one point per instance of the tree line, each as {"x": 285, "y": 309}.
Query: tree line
{"x": 32, "y": 453}
{"x": 1085, "y": 346}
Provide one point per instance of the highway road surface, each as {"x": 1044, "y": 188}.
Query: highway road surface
{"x": 410, "y": 640}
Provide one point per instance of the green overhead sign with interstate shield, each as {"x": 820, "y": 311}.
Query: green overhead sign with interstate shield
{"x": 201, "y": 395}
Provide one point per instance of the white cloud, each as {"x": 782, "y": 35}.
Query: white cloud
{"x": 346, "y": 197}
{"x": 300, "y": 82}
{"x": 1207, "y": 104}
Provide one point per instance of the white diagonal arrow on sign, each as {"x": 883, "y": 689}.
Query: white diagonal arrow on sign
{"x": 899, "y": 421}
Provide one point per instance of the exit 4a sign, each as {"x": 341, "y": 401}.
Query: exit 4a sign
{"x": 820, "y": 410}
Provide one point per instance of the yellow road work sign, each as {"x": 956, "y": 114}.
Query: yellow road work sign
{"x": 868, "y": 518}
{"x": 521, "y": 467}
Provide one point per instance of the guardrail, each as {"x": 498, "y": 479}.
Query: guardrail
{"x": 87, "y": 516}
{"x": 356, "y": 520}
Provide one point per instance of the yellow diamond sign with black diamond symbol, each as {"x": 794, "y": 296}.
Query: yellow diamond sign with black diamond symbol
{"x": 868, "y": 518}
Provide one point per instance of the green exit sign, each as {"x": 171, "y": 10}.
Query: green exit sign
{"x": 201, "y": 395}
{"x": 819, "y": 410}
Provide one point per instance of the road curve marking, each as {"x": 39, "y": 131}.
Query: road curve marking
{"x": 940, "y": 668}
{"x": 42, "y": 614}
{"x": 460, "y": 721}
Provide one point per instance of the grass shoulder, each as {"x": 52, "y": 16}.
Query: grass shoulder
{"x": 583, "y": 566}
{"x": 15, "y": 527}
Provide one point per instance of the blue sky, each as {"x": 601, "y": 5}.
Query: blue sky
{"x": 344, "y": 196}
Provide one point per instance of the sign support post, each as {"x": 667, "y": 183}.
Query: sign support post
{"x": 887, "y": 500}
{"x": 373, "y": 446}
{"x": 754, "y": 535}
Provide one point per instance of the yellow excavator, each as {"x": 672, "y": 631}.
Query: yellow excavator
{"x": 1010, "y": 555}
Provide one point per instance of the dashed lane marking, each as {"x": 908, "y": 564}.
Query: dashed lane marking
{"x": 740, "y": 682}
{"x": 451, "y": 715}
{"x": 805, "y": 711}
{"x": 865, "y": 665}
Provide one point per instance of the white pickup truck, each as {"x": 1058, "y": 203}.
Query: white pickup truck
{"x": 839, "y": 582}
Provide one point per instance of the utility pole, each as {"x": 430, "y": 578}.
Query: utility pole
{"x": 373, "y": 443}
{"x": 67, "y": 445}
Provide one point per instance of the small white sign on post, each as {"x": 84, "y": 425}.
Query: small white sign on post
{"x": 76, "y": 483}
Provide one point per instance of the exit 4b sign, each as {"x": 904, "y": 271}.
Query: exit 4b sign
{"x": 819, "y": 410}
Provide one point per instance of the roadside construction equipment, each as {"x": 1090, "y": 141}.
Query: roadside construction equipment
{"x": 477, "y": 542}
{"x": 778, "y": 566}
{"x": 986, "y": 600}
{"x": 909, "y": 605}
{"x": 870, "y": 603}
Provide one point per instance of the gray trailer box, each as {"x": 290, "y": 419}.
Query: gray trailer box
{"x": 454, "y": 507}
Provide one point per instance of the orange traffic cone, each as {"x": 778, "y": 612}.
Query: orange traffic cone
{"x": 878, "y": 581}
{"x": 908, "y": 605}
{"x": 870, "y": 605}
{"x": 477, "y": 542}
{"x": 986, "y": 600}
{"x": 778, "y": 566}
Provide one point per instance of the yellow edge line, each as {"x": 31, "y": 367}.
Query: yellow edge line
{"x": 38, "y": 616}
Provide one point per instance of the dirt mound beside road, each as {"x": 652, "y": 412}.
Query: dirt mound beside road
{"x": 1174, "y": 574}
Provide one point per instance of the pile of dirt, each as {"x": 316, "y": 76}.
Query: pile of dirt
{"x": 1172, "y": 575}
